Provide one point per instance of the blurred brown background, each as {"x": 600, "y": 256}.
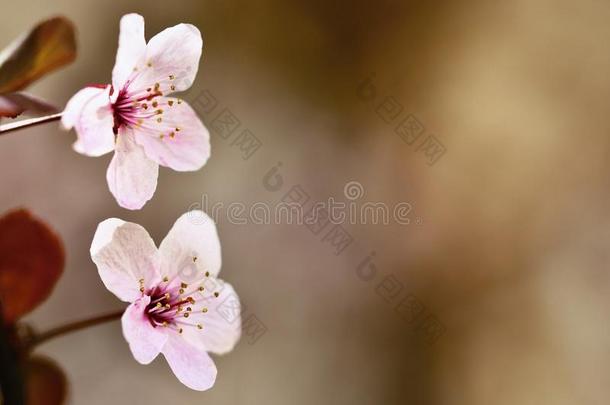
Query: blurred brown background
{"x": 506, "y": 251}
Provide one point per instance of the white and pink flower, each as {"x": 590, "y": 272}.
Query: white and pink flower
{"x": 178, "y": 307}
{"x": 135, "y": 118}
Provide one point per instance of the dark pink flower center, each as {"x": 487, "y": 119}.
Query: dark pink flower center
{"x": 176, "y": 306}
{"x": 132, "y": 110}
{"x": 142, "y": 107}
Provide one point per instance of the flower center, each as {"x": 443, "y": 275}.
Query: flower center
{"x": 142, "y": 107}
{"x": 133, "y": 110}
{"x": 175, "y": 305}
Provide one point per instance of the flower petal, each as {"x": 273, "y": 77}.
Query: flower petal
{"x": 89, "y": 112}
{"x": 191, "y": 248}
{"x": 145, "y": 341}
{"x": 74, "y": 109}
{"x": 194, "y": 368}
{"x": 171, "y": 60}
{"x": 180, "y": 141}
{"x": 132, "y": 176}
{"x": 125, "y": 254}
{"x": 132, "y": 46}
{"x": 221, "y": 323}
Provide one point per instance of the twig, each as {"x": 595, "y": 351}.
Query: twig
{"x": 4, "y": 129}
{"x": 72, "y": 327}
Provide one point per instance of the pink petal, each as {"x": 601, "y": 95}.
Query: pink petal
{"x": 132, "y": 176}
{"x": 145, "y": 341}
{"x": 89, "y": 112}
{"x": 132, "y": 46}
{"x": 171, "y": 59}
{"x": 191, "y": 248}
{"x": 221, "y": 323}
{"x": 125, "y": 254}
{"x": 194, "y": 368}
{"x": 180, "y": 141}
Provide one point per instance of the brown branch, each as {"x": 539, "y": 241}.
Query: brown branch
{"x": 13, "y": 126}
{"x": 72, "y": 327}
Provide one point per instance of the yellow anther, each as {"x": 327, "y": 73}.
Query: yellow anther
{"x": 184, "y": 285}
{"x": 172, "y": 87}
{"x": 159, "y": 120}
{"x": 216, "y": 294}
{"x": 186, "y": 314}
{"x": 172, "y": 134}
{"x": 165, "y": 279}
{"x": 172, "y": 77}
{"x": 199, "y": 326}
{"x": 201, "y": 288}
{"x": 170, "y": 102}
{"x": 207, "y": 274}
{"x": 155, "y": 104}
{"x": 145, "y": 106}
{"x": 204, "y": 310}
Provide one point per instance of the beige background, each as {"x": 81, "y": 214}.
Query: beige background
{"x": 510, "y": 254}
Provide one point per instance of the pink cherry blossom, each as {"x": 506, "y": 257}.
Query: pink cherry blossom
{"x": 135, "y": 118}
{"x": 178, "y": 306}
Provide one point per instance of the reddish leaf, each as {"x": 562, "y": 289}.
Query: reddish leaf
{"x": 31, "y": 261}
{"x": 50, "y": 45}
{"x": 45, "y": 382}
{"x": 13, "y": 104}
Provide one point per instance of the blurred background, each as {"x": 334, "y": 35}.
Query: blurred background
{"x": 497, "y": 289}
